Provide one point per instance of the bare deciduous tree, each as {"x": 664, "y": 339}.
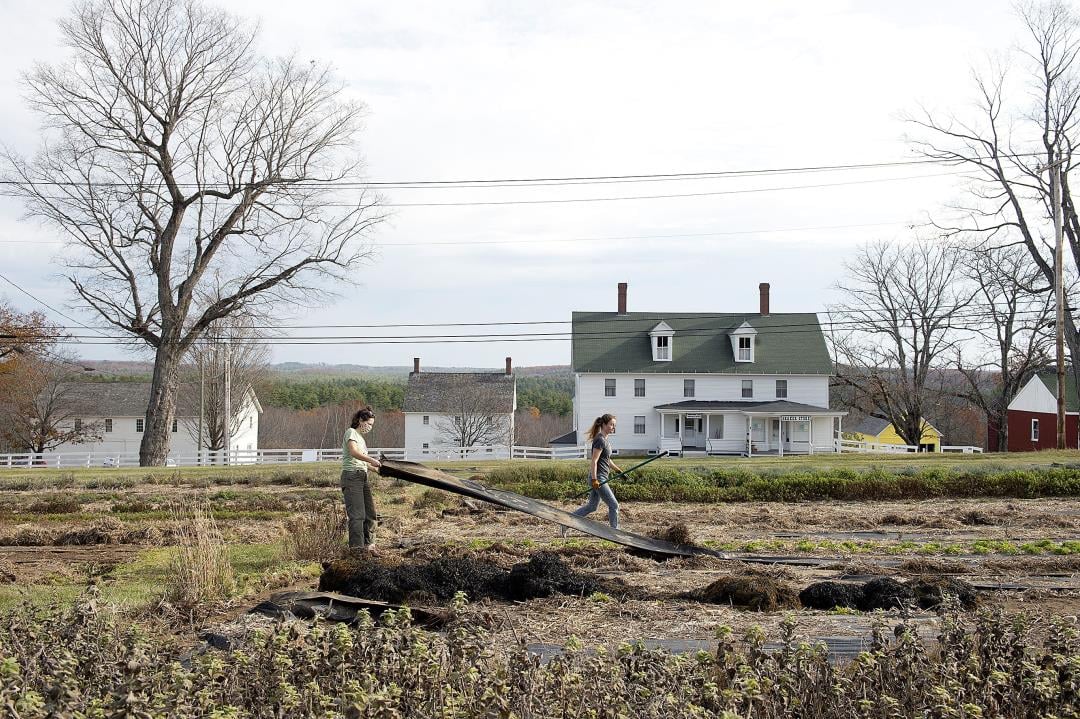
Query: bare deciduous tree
{"x": 1013, "y": 318}
{"x": 1017, "y": 126}
{"x": 40, "y": 414}
{"x": 174, "y": 152}
{"x": 477, "y": 413}
{"x": 903, "y": 305}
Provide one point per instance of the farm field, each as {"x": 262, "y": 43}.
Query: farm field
{"x": 117, "y": 530}
{"x": 113, "y": 528}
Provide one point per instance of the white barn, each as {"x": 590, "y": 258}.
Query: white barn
{"x": 117, "y": 411}
{"x": 442, "y": 408}
{"x": 704, "y": 383}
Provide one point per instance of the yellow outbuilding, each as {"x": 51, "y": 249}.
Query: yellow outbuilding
{"x": 882, "y": 431}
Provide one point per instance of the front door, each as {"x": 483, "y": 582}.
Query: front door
{"x": 774, "y": 433}
{"x": 693, "y": 434}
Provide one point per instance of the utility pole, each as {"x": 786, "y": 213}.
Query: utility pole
{"x": 202, "y": 404}
{"x": 1059, "y": 293}
{"x": 227, "y": 414}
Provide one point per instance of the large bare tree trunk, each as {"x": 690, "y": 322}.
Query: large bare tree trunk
{"x": 154, "y": 447}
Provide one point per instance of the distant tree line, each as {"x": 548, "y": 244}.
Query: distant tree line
{"x": 552, "y": 395}
{"x": 312, "y": 393}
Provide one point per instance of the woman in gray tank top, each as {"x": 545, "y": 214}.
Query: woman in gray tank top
{"x": 600, "y": 467}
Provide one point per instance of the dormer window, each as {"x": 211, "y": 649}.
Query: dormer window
{"x": 660, "y": 338}
{"x": 743, "y": 341}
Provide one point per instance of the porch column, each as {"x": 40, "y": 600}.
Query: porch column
{"x": 780, "y": 436}
{"x": 707, "y": 435}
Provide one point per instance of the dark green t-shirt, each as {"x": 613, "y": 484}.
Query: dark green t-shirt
{"x": 603, "y": 464}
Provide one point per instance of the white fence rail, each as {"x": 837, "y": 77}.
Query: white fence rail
{"x": 72, "y": 460}
{"x": 963, "y": 449}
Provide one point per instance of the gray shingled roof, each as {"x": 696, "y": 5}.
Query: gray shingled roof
{"x": 124, "y": 399}
{"x": 871, "y": 426}
{"x": 435, "y": 391}
{"x": 776, "y": 405}
{"x": 789, "y": 343}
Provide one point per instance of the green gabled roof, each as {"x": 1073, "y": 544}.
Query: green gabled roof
{"x": 1049, "y": 378}
{"x": 790, "y": 343}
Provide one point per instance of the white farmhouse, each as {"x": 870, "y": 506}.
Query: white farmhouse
{"x": 450, "y": 410}
{"x": 117, "y": 412}
{"x": 698, "y": 383}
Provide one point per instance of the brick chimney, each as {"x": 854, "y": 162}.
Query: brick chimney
{"x": 416, "y": 365}
{"x": 509, "y": 366}
{"x": 763, "y": 291}
{"x": 622, "y": 298}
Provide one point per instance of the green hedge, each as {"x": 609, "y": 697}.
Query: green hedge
{"x": 564, "y": 480}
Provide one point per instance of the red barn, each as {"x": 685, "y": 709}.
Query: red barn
{"x": 1032, "y": 416}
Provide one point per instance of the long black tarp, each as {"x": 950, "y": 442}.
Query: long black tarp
{"x": 420, "y": 474}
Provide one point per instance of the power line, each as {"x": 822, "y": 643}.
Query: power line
{"x": 537, "y": 181}
{"x": 48, "y": 306}
{"x": 573, "y": 200}
{"x": 728, "y": 233}
{"x": 816, "y": 327}
{"x": 614, "y": 318}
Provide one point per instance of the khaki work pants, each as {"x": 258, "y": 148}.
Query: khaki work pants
{"x": 360, "y": 506}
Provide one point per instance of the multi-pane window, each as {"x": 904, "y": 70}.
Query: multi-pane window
{"x": 425, "y": 445}
{"x": 744, "y": 349}
{"x": 1034, "y": 430}
{"x": 639, "y": 388}
{"x": 781, "y": 388}
{"x": 175, "y": 425}
{"x": 108, "y": 425}
{"x": 748, "y": 388}
{"x": 663, "y": 348}
{"x": 688, "y": 388}
{"x": 78, "y": 425}
{"x": 716, "y": 426}
{"x": 639, "y": 425}
{"x": 609, "y": 387}
{"x": 139, "y": 425}
{"x": 427, "y": 419}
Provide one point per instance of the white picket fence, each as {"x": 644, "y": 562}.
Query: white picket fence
{"x": 74, "y": 460}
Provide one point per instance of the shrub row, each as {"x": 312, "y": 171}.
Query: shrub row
{"x": 85, "y": 662}
{"x": 564, "y": 480}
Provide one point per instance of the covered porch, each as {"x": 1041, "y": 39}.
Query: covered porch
{"x": 746, "y": 428}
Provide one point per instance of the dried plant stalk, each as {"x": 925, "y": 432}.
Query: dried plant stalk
{"x": 316, "y": 533}
{"x": 200, "y": 572}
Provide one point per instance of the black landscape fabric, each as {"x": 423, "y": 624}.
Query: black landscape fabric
{"x": 418, "y": 473}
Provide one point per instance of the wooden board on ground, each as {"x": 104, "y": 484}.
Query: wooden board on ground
{"x": 420, "y": 474}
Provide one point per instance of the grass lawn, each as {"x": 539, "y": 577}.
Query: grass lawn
{"x": 141, "y": 582}
{"x": 325, "y": 474}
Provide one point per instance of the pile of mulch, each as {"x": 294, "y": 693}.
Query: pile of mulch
{"x": 438, "y": 580}
{"x": 678, "y": 534}
{"x": 756, "y": 591}
{"x": 887, "y": 593}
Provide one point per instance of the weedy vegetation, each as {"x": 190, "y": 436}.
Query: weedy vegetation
{"x": 86, "y": 661}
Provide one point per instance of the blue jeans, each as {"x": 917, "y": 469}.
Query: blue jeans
{"x": 593, "y": 502}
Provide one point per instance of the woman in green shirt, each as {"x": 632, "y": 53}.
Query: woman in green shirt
{"x": 359, "y": 504}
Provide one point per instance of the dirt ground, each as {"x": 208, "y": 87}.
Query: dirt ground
{"x": 798, "y": 544}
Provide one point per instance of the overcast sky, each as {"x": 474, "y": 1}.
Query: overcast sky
{"x": 530, "y": 89}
